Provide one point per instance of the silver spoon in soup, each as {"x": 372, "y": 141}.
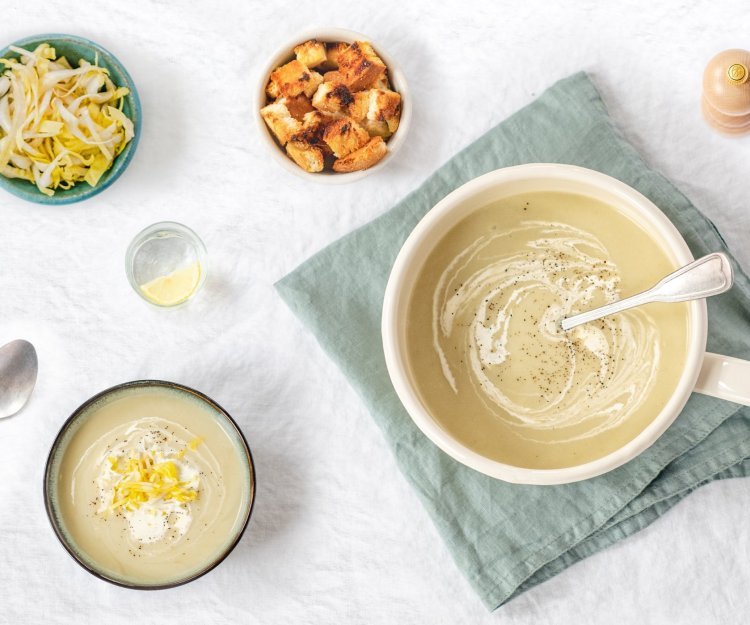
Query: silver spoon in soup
{"x": 709, "y": 275}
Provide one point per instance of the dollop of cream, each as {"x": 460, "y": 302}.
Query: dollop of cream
{"x": 498, "y": 305}
{"x": 146, "y": 476}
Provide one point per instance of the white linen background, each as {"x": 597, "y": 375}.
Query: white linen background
{"x": 337, "y": 535}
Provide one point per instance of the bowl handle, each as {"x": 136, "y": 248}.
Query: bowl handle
{"x": 726, "y": 378}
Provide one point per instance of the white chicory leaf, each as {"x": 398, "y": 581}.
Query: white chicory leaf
{"x": 59, "y": 125}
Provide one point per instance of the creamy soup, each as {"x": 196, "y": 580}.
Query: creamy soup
{"x": 152, "y": 485}
{"x": 487, "y": 354}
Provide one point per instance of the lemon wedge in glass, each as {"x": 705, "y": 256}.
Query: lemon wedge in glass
{"x": 173, "y": 288}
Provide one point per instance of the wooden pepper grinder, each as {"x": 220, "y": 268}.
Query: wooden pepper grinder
{"x": 726, "y": 92}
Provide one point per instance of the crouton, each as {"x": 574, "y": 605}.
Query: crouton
{"x": 376, "y": 105}
{"x": 333, "y": 76}
{"x": 376, "y": 129}
{"x": 308, "y": 157}
{"x": 344, "y": 136}
{"x": 364, "y": 158}
{"x": 359, "y": 106}
{"x": 311, "y": 53}
{"x": 385, "y": 106}
{"x": 332, "y": 98}
{"x": 333, "y": 50}
{"x": 393, "y": 122}
{"x": 298, "y": 106}
{"x": 313, "y": 127}
{"x": 315, "y": 82}
{"x": 295, "y": 78}
{"x": 360, "y": 66}
{"x": 272, "y": 90}
{"x": 280, "y": 121}
{"x": 316, "y": 118}
{"x": 383, "y": 83}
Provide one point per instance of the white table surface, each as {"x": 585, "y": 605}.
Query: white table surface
{"x": 337, "y": 535}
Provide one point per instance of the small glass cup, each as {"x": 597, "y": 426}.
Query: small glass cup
{"x": 166, "y": 264}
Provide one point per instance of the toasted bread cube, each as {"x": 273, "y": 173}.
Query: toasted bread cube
{"x": 311, "y": 53}
{"x": 280, "y": 121}
{"x": 333, "y": 50}
{"x": 385, "y": 106}
{"x": 272, "y": 90}
{"x": 383, "y": 83}
{"x": 332, "y": 98}
{"x": 333, "y": 76}
{"x": 377, "y": 105}
{"x": 393, "y": 122}
{"x": 364, "y": 158}
{"x": 315, "y": 81}
{"x": 376, "y": 129}
{"x": 313, "y": 127}
{"x": 290, "y": 79}
{"x": 360, "y": 106}
{"x": 317, "y": 118}
{"x": 295, "y": 78}
{"x": 360, "y": 66}
{"x": 306, "y": 156}
{"x": 345, "y": 136}
{"x": 298, "y": 106}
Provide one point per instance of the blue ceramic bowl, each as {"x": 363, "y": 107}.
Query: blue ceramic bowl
{"x": 74, "y": 49}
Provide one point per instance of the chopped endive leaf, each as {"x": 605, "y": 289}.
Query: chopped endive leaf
{"x": 50, "y": 127}
{"x": 96, "y": 169}
{"x": 59, "y": 125}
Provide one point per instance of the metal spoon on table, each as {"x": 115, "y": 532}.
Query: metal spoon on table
{"x": 18, "y": 369}
{"x": 704, "y": 277}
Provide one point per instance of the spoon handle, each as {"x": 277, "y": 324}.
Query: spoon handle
{"x": 709, "y": 275}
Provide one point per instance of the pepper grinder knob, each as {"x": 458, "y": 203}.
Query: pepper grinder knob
{"x": 726, "y": 92}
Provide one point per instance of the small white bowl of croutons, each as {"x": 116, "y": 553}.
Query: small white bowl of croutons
{"x": 332, "y": 105}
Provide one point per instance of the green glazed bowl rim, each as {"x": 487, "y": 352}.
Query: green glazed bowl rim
{"x": 82, "y": 190}
{"x": 48, "y": 477}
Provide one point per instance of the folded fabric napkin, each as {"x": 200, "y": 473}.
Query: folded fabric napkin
{"x": 507, "y": 538}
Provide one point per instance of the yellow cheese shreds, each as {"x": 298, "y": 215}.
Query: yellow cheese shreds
{"x": 193, "y": 444}
{"x": 144, "y": 479}
{"x": 59, "y": 125}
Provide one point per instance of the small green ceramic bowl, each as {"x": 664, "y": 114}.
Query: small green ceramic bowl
{"x": 76, "y": 48}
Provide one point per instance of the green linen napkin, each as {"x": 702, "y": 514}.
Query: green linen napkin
{"x": 507, "y": 538}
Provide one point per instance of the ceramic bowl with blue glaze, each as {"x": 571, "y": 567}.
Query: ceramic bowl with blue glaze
{"x": 76, "y": 48}
{"x": 78, "y": 528}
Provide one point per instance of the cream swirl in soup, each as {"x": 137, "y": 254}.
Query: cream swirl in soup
{"x": 487, "y": 355}
{"x": 505, "y": 318}
{"x": 150, "y": 472}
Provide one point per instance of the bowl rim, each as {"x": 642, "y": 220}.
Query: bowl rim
{"x": 122, "y": 160}
{"x": 147, "y": 383}
{"x": 325, "y": 34}
{"x": 392, "y": 324}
